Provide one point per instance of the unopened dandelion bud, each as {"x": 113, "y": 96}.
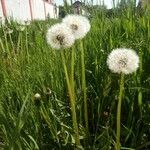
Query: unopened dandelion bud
{"x": 37, "y": 99}
{"x": 37, "y": 96}
{"x": 48, "y": 91}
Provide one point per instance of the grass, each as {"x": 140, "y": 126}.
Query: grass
{"x": 29, "y": 66}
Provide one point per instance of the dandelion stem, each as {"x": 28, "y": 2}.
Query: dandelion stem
{"x": 18, "y": 42}
{"x": 84, "y": 89}
{"x": 11, "y": 41}
{"x": 72, "y": 102}
{"x": 21, "y": 41}
{"x": 140, "y": 101}
{"x": 140, "y": 92}
{"x": 118, "y": 145}
{"x": 2, "y": 45}
{"x": 6, "y": 43}
{"x": 72, "y": 70}
{"x": 27, "y": 48}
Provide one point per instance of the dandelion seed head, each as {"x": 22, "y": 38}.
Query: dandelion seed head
{"x": 123, "y": 60}
{"x": 27, "y": 23}
{"x": 60, "y": 36}
{"x": 8, "y": 31}
{"x": 37, "y": 96}
{"x": 79, "y": 25}
{"x": 23, "y": 23}
{"x": 37, "y": 99}
{"x": 48, "y": 91}
{"x": 20, "y": 28}
{"x": 74, "y": 27}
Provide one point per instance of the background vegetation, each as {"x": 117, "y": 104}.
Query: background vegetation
{"x": 29, "y": 66}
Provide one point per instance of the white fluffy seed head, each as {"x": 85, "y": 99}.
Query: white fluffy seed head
{"x": 123, "y": 60}
{"x": 20, "y": 28}
{"x": 23, "y": 23}
{"x": 8, "y": 31}
{"x": 79, "y": 25}
{"x": 37, "y": 96}
{"x": 60, "y": 36}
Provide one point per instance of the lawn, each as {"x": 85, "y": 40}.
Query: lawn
{"x": 35, "y": 106}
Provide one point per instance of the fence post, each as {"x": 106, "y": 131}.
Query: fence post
{"x": 45, "y": 10}
{"x": 31, "y": 11}
{"x": 4, "y": 8}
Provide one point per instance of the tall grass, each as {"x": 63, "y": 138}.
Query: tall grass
{"x": 30, "y": 66}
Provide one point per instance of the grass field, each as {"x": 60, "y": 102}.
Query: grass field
{"x": 28, "y": 66}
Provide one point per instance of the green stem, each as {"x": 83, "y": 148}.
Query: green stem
{"x": 72, "y": 102}
{"x": 140, "y": 101}
{"x": 6, "y": 43}
{"x": 18, "y": 42}
{"x": 21, "y": 42}
{"x": 11, "y": 41}
{"x": 84, "y": 89}
{"x": 140, "y": 92}
{"x": 72, "y": 70}
{"x": 2, "y": 45}
{"x": 118, "y": 145}
{"x": 27, "y": 48}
